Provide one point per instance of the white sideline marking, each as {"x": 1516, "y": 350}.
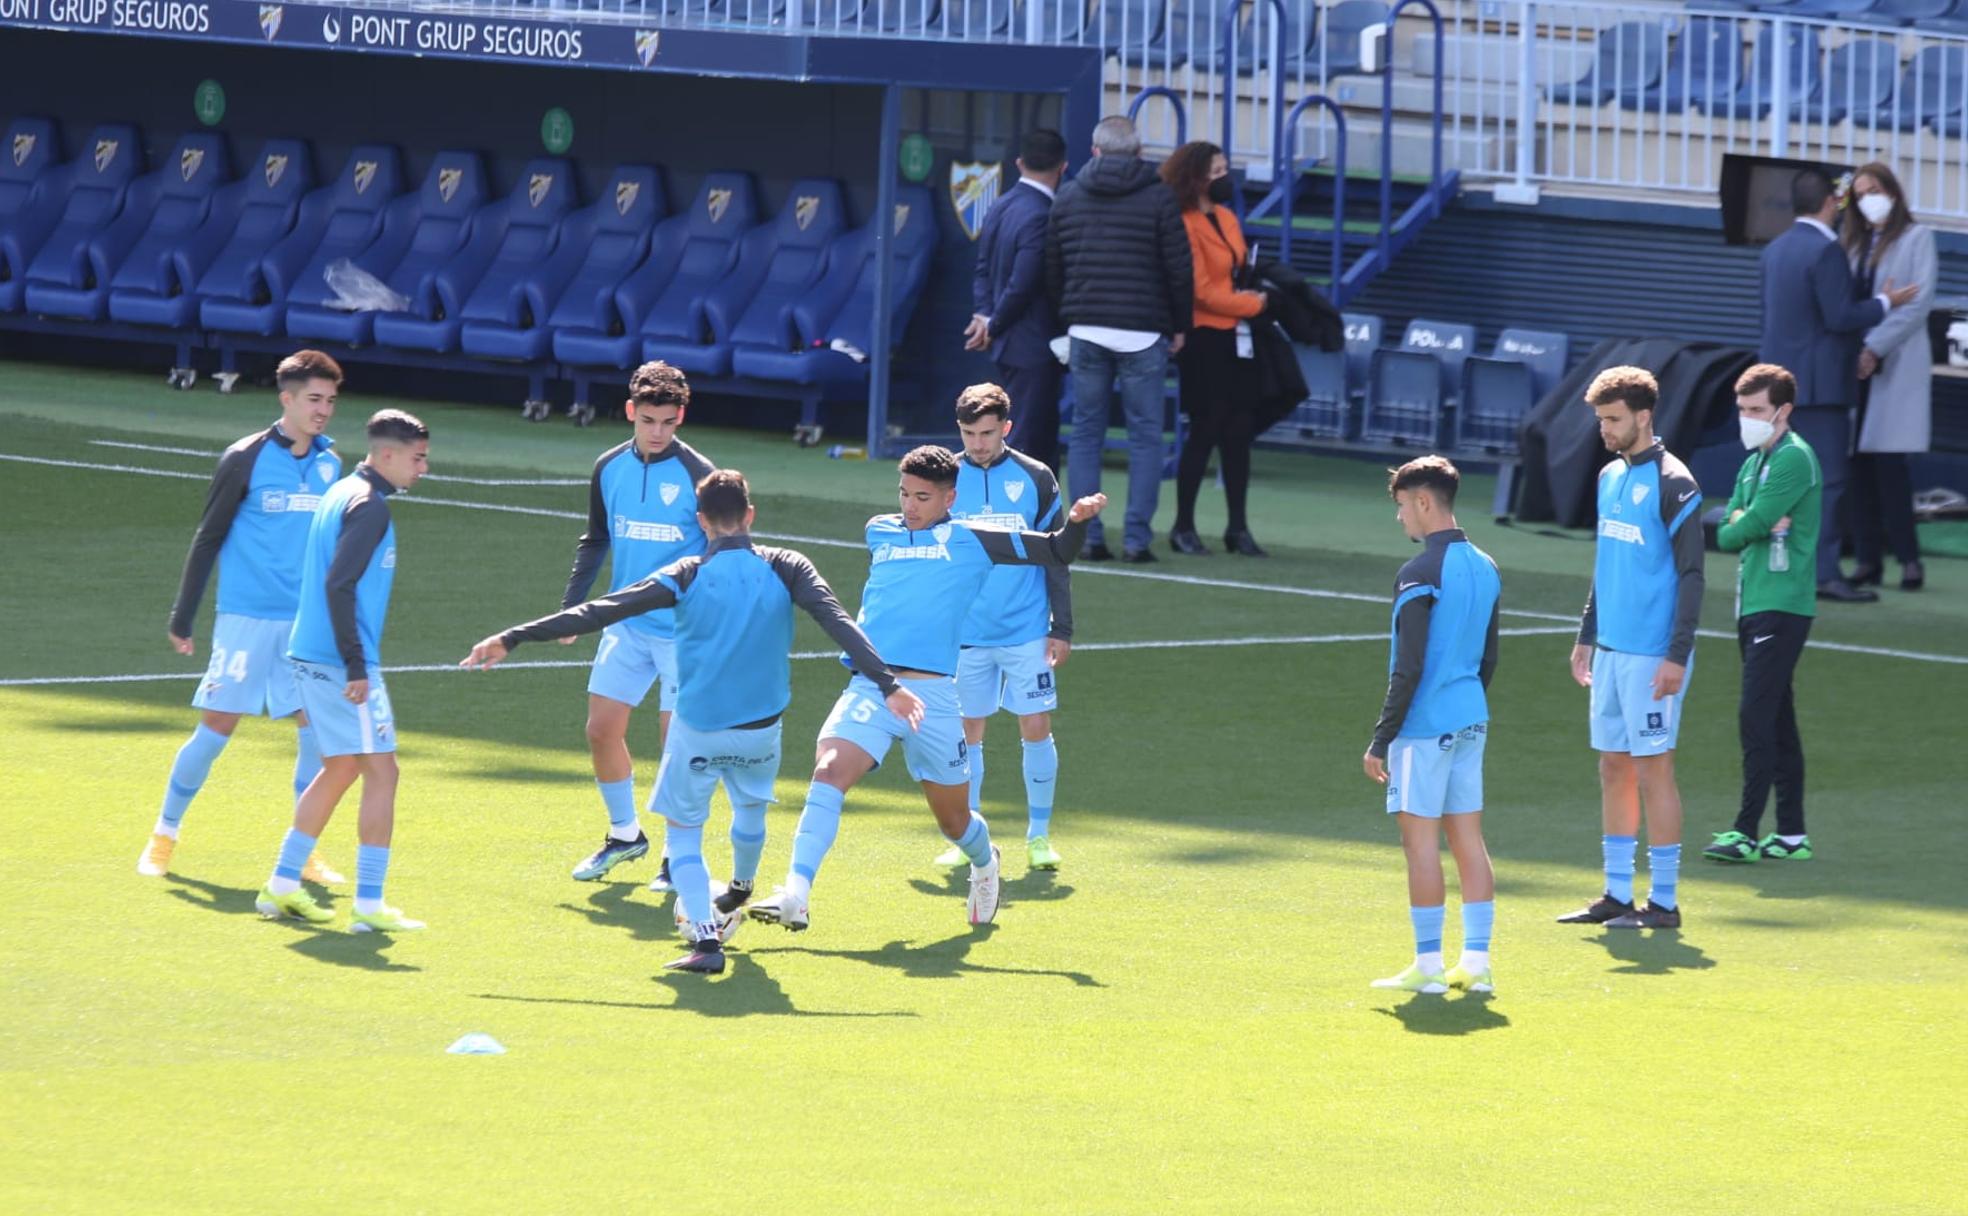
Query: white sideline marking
{"x": 477, "y": 481}
{"x": 1884, "y": 652}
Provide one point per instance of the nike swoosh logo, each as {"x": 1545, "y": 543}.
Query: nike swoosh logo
{"x": 1759, "y": 641}
{"x": 1405, "y": 586}
{"x": 1686, "y": 497}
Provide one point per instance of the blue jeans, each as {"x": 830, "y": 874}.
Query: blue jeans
{"x": 1141, "y": 375}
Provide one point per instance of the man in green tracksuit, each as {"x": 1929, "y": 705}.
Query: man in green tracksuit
{"x": 1773, "y": 520}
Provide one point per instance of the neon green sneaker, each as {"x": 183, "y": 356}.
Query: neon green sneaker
{"x": 1777, "y": 850}
{"x": 1044, "y": 856}
{"x": 1464, "y": 980}
{"x": 1733, "y": 848}
{"x": 1414, "y": 979}
{"x": 297, "y": 905}
{"x": 384, "y": 920}
{"x": 952, "y": 857}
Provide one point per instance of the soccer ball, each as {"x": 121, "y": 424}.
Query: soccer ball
{"x": 728, "y": 925}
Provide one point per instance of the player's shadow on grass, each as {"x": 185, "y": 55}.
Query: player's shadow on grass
{"x": 1653, "y": 953}
{"x": 611, "y": 907}
{"x": 745, "y": 990}
{"x": 1448, "y": 1016}
{"x": 512, "y": 773}
{"x": 132, "y": 724}
{"x": 361, "y": 950}
{"x": 1037, "y": 886}
{"x": 942, "y": 960}
{"x": 211, "y": 896}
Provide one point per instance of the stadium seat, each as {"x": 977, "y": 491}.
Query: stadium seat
{"x": 976, "y": 20}
{"x": 839, "y": 310}
{"x": 1059, "y": 20}
{"x": 1546, "y": 353}
{"x": 28, "y": 209}
{"x": 1449, "y": 344}
{"x": 1496, "y": 394}
{"x": 1363, "y": 332}
{"x": 1906, "y": 12}
{"x": 1706, "y": 64}
{"x": 778, "y": 263}
{"x": 1831, "y": 10}
{"x": 1142, "y": 33}
{"x": 1298, "y": 42}
{"x": 1757, "y": 96}
{"x": 161, "y": 211}
{"x": 1326, "y": 412}
{"x": 573, "y": 292}
{"x": 486, "y": 281}
{"x": 1629, "y": 61}
{"x": 912, "y": 17}
{"x": 843, "y": 15}
{"x": 1346, "y": 22}
{"x": 340, "y": 220}
{"x": 1859, "y": 79}
{"x": 1931, "y": 91}
{"x": 422, "y": 232}
{"x": 89, "y": 192}
{"x": 1404, "y": 398}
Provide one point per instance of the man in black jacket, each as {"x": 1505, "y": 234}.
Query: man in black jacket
{"x": 1011, "y": 314}
{"x": 1118, "y": 271}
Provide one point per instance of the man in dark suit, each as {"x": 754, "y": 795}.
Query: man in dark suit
{"x": 1812, "y": 324}
{"x": 1012, "y": 317}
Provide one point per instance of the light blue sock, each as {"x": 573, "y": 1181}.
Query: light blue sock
{"x": 1619, "y": 865}
{"x": 307, "y": 760}
{"x": 690, "y": 877}
{"x": 976, "y": 777}
{"x": 976, "y": 840}
{"x": 1428, "y": 929}
{"x": 294, "y": 852}
{"x": 372, "y": 863}
{"x": 188, "y": 773}
{"x": 619, "y": 798}
{"x": 1041, "y": 776}
{"x": 1477, "y": 920}
{"x": 819, "y": 823}
{"x": 1664, "y": 869}
{"x": 747, "y": 839}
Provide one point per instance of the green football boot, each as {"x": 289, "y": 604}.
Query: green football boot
{"x": 1734, "y": 848}
{"x": 1777, "y": 850}
{"x": 295, "y": 905}
{"x": 1414, "y": 979}
{"x": 1043, "y": 855}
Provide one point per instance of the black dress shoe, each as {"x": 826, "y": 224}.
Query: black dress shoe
{"x": 1097, "y": 553}
{"x": 1138, "y": 557}
{"x": 1845, "y": 593}
{"x": 1913, "y": 576}
{"x": 1185, "y": 540}
{"x": 1241, "y": 542}
{"x": 1868, "y": 576}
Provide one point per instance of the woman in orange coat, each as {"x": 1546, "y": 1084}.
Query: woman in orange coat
{"x": 1219, "y": 386}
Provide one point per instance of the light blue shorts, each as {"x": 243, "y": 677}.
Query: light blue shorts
{"x": 342, "y": 728}
{"x": 694, "y": 761}
{"x": 628, "y": 661}
{"x": 935, "y": 753}
{"x": 1436, "y": 775}
{"x": 249, "y": 671}
{"x": 1017, "y": 678}
{"x": 1625, "y": 716}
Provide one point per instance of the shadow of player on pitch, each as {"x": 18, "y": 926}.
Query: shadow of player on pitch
{"x": 212, "y": 897}
{"x": 612, "y": 908}
{"x": 745, "y": 990}
{"x": 1656, "y": 952}
{"x": 1436, "y": 1015}
{"x": 947, "y": 959}
{"x": 1036, "y": 886}
{"x": 360, "y": 950}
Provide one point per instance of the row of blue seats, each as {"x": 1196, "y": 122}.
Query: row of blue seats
{"x": 715, "y": 289}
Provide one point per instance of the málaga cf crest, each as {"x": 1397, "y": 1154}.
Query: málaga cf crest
{"x": 973, "y": 188}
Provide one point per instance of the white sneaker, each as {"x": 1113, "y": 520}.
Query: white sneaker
{"x": 783, "y": 908}
{"x": 728, "y": 924}
{"x": 984, "y": 890}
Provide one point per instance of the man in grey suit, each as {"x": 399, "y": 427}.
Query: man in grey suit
{"x": 1812, "y": 324}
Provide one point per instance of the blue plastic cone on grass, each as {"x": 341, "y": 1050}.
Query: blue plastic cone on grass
{"x": 476, "y": 1045}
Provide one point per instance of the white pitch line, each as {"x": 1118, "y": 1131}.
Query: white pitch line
{"x": 476, "y": 481}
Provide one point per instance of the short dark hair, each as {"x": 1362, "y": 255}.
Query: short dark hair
{"x": 1633, "y": 387}
{"x": 931, "y": 463}
{"x": 657, "y": 383}
{"x": 1042, "y": 150}
{"x": 723, "y": 496}
{"x": 1809, "y": 190}
{"x": 981, "y": 401}
{"x": 1768, "y": 377}
{"x": 1434, "y": 474}
{"x": 305, "y": 365}
{"x": 395, "y": 426}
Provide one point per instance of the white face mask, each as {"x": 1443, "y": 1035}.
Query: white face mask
{"x": 1755, "y": 431}
{"x": 1875, "y": 208}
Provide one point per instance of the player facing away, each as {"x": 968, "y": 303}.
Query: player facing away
{"x": 734, "y": 632}
{"x": 1636, "y": 647}
{"x": 1020, "y": 629}
{"x": 1428, "y": 746}
{"x": 336, "y": 650}
{"x": 254, "y": 529}
{"x": 642, "y": 515}
{"x": 925, "y": 570}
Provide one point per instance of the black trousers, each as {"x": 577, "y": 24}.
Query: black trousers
{"x": 1881, "y": 496}
{"x": 1773, "y": 754}
{"x": 1034, "y": 393}
{"x": 1828, "y": 429}
{"x": 1219, "y": 395}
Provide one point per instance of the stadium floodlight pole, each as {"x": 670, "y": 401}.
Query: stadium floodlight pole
{"x": 891, "y": 135}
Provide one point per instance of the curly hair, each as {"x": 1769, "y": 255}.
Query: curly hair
{"x": 1633, "y": 387}
{"x": 1187, "y": 172}
{"x": 657, "y": 383}
{"x": 931, "y": 463}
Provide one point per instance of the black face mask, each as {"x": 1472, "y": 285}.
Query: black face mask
{"x": 1219, "y": 190}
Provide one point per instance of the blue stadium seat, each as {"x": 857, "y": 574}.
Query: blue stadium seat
{"x": 161, "y": 211}
{"x": 1496, "y": 394}
{"x": 1757, "y": 96}
{"x": 1547, "y": 354}
{"x": 1142, "y": 33}
{"x": 91, "y": 191}
{"x": 1931, "y": 91}
{"x": 1629, "y": 59}
{"x": 1327, "y": 410}
{"x": 486, "y": 281}
{"x": 422, "y": 232}
{"x": 1859, "y": 79}
{"x": 976, "y": 20}
{"x": 1059, "y": 20}
{"x": 1906, "y": 12}
{"x": 1297, "y": 42}
{"x": 573, "y": 292}
{"x": 909, "y": 16}
{"x": 1831, "y": 10}
{"x": 28, "y": 207}
{"x": 340, "y": 220}
{"x": 222, "y": 257}
{"x": 1346, "y": 22}
{"x": 1404, "y": 399}
{"x": 1706, "y": 64}
{"x": 840, "y": 308}
{"x": 1363, "y": 331}
{"x": 1448, "y": 343}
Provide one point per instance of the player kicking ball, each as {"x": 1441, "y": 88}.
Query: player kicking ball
{"x": 1428, "y": 747}
{"x": 925, "y": 571}
{"x": 734, "y": 635}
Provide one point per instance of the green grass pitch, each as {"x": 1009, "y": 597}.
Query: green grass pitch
{"x": 1178, "y": 1021}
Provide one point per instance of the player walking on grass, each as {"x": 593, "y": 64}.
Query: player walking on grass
{"x": 1428, "y": 746}
{"x": 1021, "y": 627}
{"x": 254, "y": 529}
{"x": 925, "y": 570}
{"x": 1636, "y": 647}
{"x": 734, "y": 632}
{"x": 336, "y": 650}
{"x": 642, "y": 515}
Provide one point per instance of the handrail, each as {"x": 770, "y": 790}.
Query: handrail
{"x": 1173, "y": 98}
{"x": 1286, "y": 175}
{"x": 1387, "y": 122}
{"x": 1229, "y": 23}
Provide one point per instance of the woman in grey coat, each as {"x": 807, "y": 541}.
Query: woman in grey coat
{"x": 1896, "y": 369}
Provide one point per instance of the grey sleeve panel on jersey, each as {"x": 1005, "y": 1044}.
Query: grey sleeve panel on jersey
{"x": 1033, "y": 548}
{"x": 1058, "y": 581}
{"x": 1411, "y": 646}
{"x": 1688, "y": 564}
{"x": 593, "y": 545}
{"x": 1489, "y": 664}
{"x": 816, "y": 599}
{"x": 646, "y": 595}
{"x": 363, "y": 527}
{"x": 1589, "y": 619}
{"x": 228, "y": 490}
{"x": 696, "y": 465}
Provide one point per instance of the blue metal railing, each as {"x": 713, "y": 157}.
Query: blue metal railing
{"x": 1286, "y": 178}
{"x": 1387, "y": 127}
{"x": 1173, "y": 98}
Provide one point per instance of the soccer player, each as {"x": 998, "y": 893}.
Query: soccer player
{"x": 1636, "y": 644}
{"x": 336, "y": 650}
{"x": 925, "y": 570}
{"x": 1428, "y": 746}
{"x": 642, "y": 515}
{"x": 255, "y": 527}
{"x": 1020, "y": 629}
{"x": 734, "y": 629}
